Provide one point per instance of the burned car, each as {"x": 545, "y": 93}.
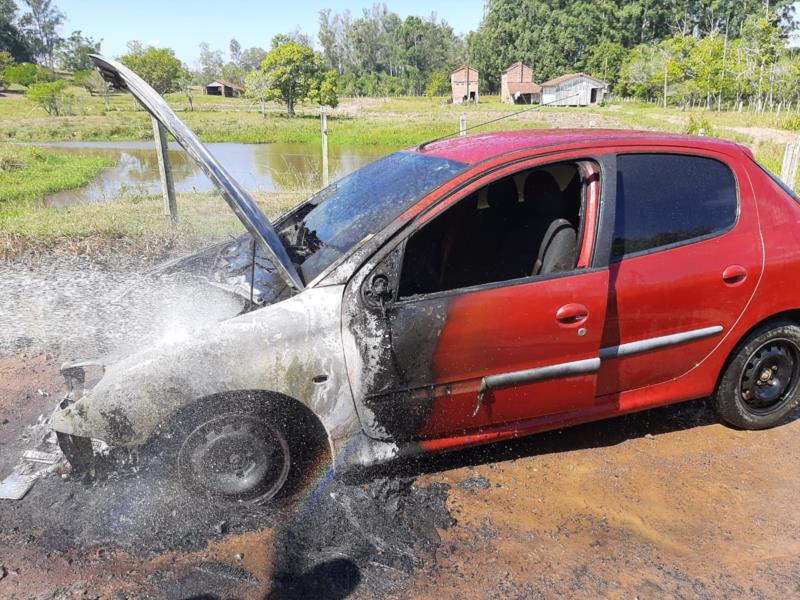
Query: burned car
{"x": 465, "y": 291}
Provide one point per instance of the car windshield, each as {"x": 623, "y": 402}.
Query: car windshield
{"x": 333, "y": 221}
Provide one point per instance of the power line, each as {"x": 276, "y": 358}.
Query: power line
{"x": 514, "y": 114}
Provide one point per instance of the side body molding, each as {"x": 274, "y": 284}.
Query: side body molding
{"x": 591, "y": 365}
{"x": 237, "y": 198}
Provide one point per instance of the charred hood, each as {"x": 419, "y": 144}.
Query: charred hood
{"x": 234, "y": 194}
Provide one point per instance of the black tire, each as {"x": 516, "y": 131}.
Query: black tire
{"x": 759, "y": 387}
{"x": 238, "y": 452}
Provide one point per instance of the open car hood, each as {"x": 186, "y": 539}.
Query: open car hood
{"x": 242, "y": 204}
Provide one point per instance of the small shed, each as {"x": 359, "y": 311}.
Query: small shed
{"x": 220, "y": 87}
{"x": 574, "y": 89}
{"x": 517, "y": 86}
{"x": 464, "y": 83}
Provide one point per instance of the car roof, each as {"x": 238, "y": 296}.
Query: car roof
{"x": 483, "y": 146}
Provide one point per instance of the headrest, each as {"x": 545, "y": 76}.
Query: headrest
{"x": 503, "y": 193}
{"x": 542, "y": 194}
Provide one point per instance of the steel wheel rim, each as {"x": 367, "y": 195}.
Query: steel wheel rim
{"x": 238, "y": 457}
{"x": 770, "y": 376}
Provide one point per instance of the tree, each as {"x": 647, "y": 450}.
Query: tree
{"x": 439, "y": 84}
{"x": 251, "y": 59}
{"x": 41, "y": 25}
{"x": 51, "y": 96}
{"x": 157, "y": 66}
{"x": 334, "y": 32}
{"x": 11, "y": 38}
{"x": 604, "y": 61}
{"x": 325, "y": 89}
{"x": 233, "y": 72}
{"x": 554, "y": 37}
{"x": 256, "y": 86}
{"x": 380, "y": 53}
{"x": 235, "y": 49}
{"x": 26, "y": 74}
{"x": 74, "y": 52}
{"x": 705, "y": 63}
{"x": 6, "y": 61}
{"x": 295, "y": 72}
{"x": 211, "y": 63}
{"x": 185, "y": 84}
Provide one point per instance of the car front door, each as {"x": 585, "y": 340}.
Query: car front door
{"x": 435, "y": 361}
{"x": 686, "y": 260}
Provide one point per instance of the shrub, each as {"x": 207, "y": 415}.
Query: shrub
{"x": 50, "y": 96}
{"x": 791, "y": 123}
{"x": 699, "y": 125}
{"x": 27, "y": 74}
{"x": 92, "y": 82}
{"x": 439, "y": 84}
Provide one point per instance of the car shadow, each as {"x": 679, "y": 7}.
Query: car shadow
{"x": 333, "y": 579}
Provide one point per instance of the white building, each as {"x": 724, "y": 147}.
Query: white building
{"x": 574, "y": 89}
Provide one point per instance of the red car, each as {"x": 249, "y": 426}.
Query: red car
{"x": 469, "y": 290}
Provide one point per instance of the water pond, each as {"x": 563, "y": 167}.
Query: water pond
{"x": 258, "y": 167}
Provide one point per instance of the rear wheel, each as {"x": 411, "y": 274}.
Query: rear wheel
{"x": 759, "y": 388}
{"x": 239, "y": 456}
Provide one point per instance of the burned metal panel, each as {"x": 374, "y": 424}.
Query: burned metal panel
{"x": 281, "y": 348}
{"x": 389, "y": 350}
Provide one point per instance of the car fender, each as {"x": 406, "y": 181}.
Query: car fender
{"x": 293, "y": 348}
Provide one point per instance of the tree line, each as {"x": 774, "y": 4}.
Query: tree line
{"x": 712, "y": 52}
{"x": 682, "y": 51}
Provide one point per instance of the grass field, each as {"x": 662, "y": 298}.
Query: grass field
{"x": 131, "y": 226}
{"x": 29, "y": 174}
{"x": 392, "y": 121}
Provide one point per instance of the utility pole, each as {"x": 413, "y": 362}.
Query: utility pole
{"x": 165, "y": 171}
{"x": 324, "y": 128}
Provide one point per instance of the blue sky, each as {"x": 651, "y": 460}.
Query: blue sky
{"x": 183, "y": 25}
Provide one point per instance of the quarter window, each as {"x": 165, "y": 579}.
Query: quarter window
{"x": 665, "y": 199}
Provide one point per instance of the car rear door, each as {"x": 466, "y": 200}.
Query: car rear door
{"x": 686, "y": 260}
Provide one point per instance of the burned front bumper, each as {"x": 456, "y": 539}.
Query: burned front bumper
{"x": 68, "y": 418}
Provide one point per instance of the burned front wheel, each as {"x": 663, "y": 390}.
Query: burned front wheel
{"x": 239, "y": 457}
{"x": 759, "y": 387}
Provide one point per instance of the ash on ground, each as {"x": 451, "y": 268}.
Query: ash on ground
{"x": 328, "y": 543}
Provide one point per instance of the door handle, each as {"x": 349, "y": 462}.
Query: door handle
{"x": 734, "y": 275}
{"x": 572, "y": 315}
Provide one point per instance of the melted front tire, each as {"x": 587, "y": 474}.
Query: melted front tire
{"x": 236, "y": 457}
{"x": 760, "y": 387}
{"x": 78, "y": 452}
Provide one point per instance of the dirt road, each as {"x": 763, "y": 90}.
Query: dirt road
{"x": 666, "y": 503}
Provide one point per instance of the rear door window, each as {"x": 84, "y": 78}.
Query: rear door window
{"x": 669, "y": 199}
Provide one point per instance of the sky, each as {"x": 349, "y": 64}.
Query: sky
{"x": 182, "y": 25}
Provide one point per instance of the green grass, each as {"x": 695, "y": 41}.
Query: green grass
{"x": 28, "y": 174}
{"x": 133, "y": 226}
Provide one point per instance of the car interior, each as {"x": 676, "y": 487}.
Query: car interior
{"x": 523, "y": 225}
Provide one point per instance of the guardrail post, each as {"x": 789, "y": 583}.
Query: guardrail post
{"x": 165, "y": 171}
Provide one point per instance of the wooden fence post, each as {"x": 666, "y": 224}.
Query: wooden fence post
{"x": 165, "y": 171}
{"x": 324, "y": 127}
{"x": 791, "y": 159}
